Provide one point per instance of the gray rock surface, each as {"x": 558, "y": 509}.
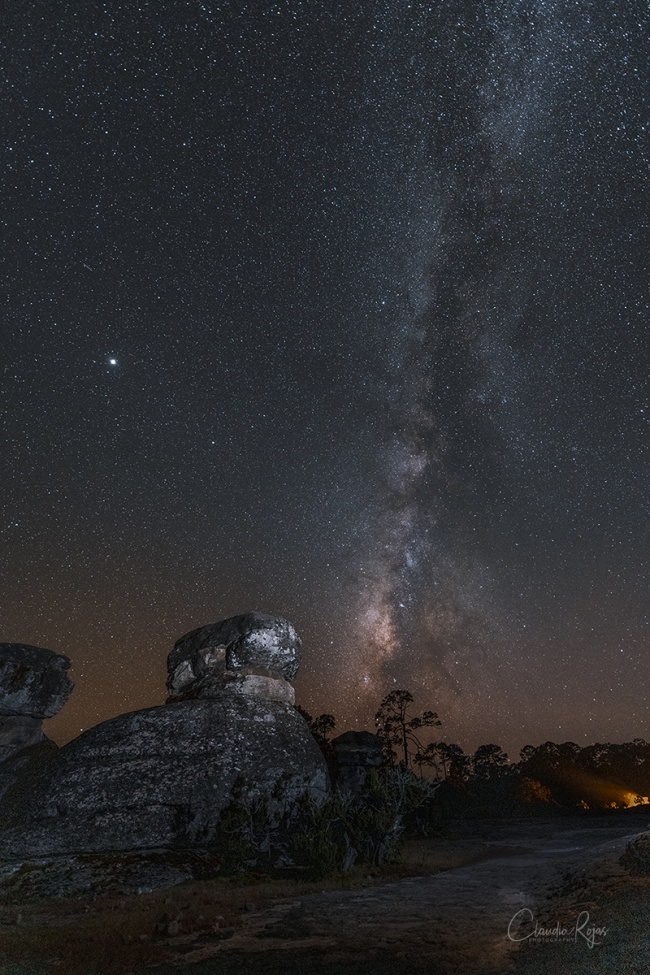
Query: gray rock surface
{"x": 33, "y": 681}
{"x": 34, "y": 685}
{"x": 161, "y": 776}
{"x": 455, "y": 921}
{"x": 253, "y": 644}
{"x": 91, "y": 875}
{"x": 17, "y": 732}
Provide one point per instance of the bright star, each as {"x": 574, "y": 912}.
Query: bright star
{"x": 112, "y": 362}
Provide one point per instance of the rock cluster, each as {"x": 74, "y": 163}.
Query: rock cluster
{"x": 161, "y": 776}
{"x": 34, "y": 685}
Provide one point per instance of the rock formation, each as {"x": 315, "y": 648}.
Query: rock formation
{"x": 34, "y": 685}
{"x": 355, "y": 753}
{"x": 161, "y": 776}
{"x": 253, "y": 655}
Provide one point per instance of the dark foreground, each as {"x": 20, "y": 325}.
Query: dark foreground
{"x": 561, "y": 877}
{"x": 455, "y": 921}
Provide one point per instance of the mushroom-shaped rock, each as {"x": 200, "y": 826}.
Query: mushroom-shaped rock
{"x": 33, "y": 681}
{"x": 34, "y": 685}
{"x": 161, "y": 776}
{"x": 253, "y": 654}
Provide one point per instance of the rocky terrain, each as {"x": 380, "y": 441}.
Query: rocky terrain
{"x": 106, "y": 861}
{"x": 475, "y": 919}
{"x": 161, "y": 776}
{"x": 474, "y": 886}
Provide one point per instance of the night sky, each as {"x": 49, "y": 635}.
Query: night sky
{"x": 338, "y": 311}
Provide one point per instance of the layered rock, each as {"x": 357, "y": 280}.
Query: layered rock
{"x": 161, "y": 776}
{"x": 34, "y": 685}
{"x": 253, "y": 655}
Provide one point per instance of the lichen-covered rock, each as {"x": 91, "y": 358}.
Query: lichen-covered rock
{"x": 161, "y": 776}
{"x": 33, "y": 681}
{"x": 17, "y": 732}
{"x": 205, "y": 660}
{"x": 34, "y": 685}
{"x": 259, "y": 686}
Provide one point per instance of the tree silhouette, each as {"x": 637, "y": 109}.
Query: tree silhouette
{"x": 448, "y": 760}
{"x": 398, "y": 728}
{"x": 489, "y": 761}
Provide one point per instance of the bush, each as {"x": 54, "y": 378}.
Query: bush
{"x": 325, "y": 837}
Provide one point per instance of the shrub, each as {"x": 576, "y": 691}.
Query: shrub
{"x": 322, "y": 838}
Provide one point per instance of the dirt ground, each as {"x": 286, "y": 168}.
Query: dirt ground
{"x": 486, "y": 898}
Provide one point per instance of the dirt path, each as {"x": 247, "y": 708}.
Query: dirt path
{"x": 453, "y": 922}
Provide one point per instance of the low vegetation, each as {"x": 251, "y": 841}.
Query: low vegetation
{"x": 401, "y": 823}
{"x": 322, "y": 838}
{"x": 111, "y": 934}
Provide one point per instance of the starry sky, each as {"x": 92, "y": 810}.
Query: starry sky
{"x": 336, "y": 310}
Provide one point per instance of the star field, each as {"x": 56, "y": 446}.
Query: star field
{"x": 340, "y": 312}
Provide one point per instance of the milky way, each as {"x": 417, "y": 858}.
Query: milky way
{"x": 340, "y": 312}
{"x": 432, "y": 614}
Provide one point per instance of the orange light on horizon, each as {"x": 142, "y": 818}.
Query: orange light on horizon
{"x": 631, "y": 799}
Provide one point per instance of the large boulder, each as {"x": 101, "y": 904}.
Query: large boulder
{"x": 161, "y": 776}
{"x": 252, "y": 654}
{"x": 34, "y": 685}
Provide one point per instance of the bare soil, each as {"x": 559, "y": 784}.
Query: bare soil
{"x": 448, "y": 908}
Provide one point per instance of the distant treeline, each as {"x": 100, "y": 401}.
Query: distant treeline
{"x": 550, "y": 777}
